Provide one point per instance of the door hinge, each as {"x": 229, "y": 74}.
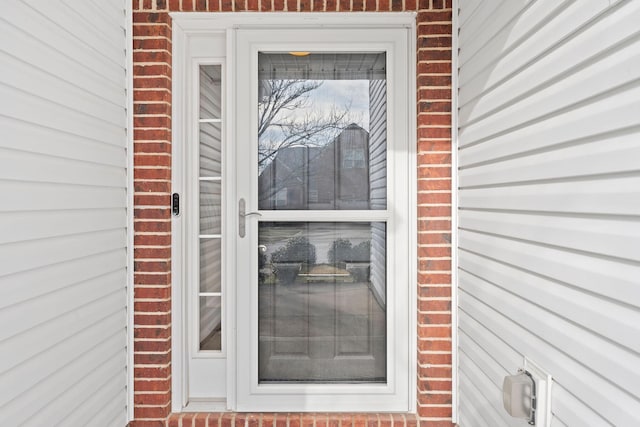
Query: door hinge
{"x": 175, "y": 204}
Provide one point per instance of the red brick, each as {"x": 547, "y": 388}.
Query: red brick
{"x": 152, "y": 173}
{"x": 159, "y": 30}
{"x": 434, "y": 224}
{"x": 432, "y": 318}
{"x": 152, "y": 56}
{"x": 434, "y": 345}
{"x": 152, "y": 213}
{"x": 151, "y": 95}
{"x": 434, "y": 411}
{"x": 156, "y": 319}
{"x": 152, "y": 135}
{"x": 160, "y": 399}
{"x": 151, "y": 306}
{"x": 152, "y": 333}
{"x": 151, "y": 240}
{"x": 434, "y": 278}
{"x": 157, "y": 412}
{"x": 434, "y": 265}
{"x": 426, "y": 291}
{"x": 152, "y": 186}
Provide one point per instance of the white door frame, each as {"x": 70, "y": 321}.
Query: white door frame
{"x": 191, "y": 33}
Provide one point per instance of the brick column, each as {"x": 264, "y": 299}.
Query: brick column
{"x": 152, "y": 223}
{"x": 434, "y": 213}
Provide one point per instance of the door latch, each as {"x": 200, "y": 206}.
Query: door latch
{"x": 242, "y": 215}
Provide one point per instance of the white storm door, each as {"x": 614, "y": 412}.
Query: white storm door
{"x": 323, "y": 146}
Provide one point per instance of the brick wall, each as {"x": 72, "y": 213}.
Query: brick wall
{"x": 152, "y": 241}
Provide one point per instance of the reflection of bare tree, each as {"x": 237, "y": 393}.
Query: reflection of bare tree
{"x": 277, "y": 129}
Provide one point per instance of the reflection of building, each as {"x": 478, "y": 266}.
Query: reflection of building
{"x": 335, "y": 176}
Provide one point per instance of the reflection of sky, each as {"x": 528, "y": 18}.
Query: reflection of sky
{"x": 351, "y": 95}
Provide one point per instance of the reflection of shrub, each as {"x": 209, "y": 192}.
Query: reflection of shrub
{"x": 288, "y": 260}
{"x": 361, "y": 251}
{"x": 342, "y": 251}
{"x": 262, "y": 262}
{"x": 286, "y": 272}
{"x": 297, "y": 249}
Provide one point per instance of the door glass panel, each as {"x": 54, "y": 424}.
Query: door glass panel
{"x": 322, "y": 131}
{"x": 322, "y": 302}
{"x": 210, "y": 265}
{"x": 210, "y": 323}
{"x": 210, "y": 205}
{"x": 210, "y": 197}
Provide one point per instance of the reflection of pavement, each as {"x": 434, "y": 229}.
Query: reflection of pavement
{"x": 321, "y": 235}
{"x": 321, "y": 332}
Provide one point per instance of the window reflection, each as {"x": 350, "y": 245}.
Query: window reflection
{"x": 322, "y": 291}
{"x": 322, "y": 131}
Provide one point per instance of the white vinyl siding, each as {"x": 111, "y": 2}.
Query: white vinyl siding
{"x": 378, "y": 182}
{"x": 549, "y": 206}
{"x": 63, "y": 215}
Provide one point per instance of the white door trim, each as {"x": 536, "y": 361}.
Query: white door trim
{"x": 192, "y": 30}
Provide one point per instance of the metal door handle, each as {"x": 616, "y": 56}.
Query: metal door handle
{"x": 242, "y": 214}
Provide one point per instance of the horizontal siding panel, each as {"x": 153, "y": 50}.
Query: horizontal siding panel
{"x": 29, "y": 225}
{"x": 613, "y": 321}
{"x": 62, "y": 367}
{"x": 46, "y": 196}
{"x": 480, "y": 17}
{"x": 25, "y": 136}
{"x": 31, "y": 325}
{"x": 565, "y": 24}
{"x": 606, "y": 399}
{"x": 25, "y": 166}
{"x": 108, "y": 375}
{"x": 59, "y": 32}
{"x": 582, "y": 271}
{"x": 36, "y": 254}
{"x": 100, "y": 405}
{"x": 600, "y": 236}
{"x": 587, "y": 86}
{"x": 505, "y": 35}
{"x": 89, "y": 24}
{"x": 470, "y": 7}
{"x": 581, "y": 68}
{"x": 26, "y": 78}
{"x": 502, "y": 18}
{"x": 607, "y": 156}
{"x": 110, "y": 11}
{"x": 30, "y": 284}
{"x": 475, "y": 410}
{"x": 569, "y": 411}
{"x": 57, "y": 115}
{"x": 42, "y": 55}
{"x": 615, "y": 196}
{"x": 607, "y": 115}
{"x": 484, "y": 387}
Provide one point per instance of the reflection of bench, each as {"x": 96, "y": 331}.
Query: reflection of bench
{"x": 319, "y": 277}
